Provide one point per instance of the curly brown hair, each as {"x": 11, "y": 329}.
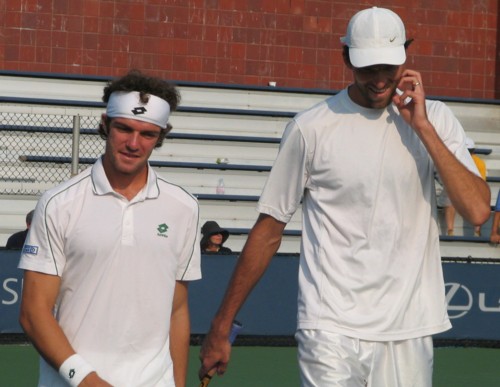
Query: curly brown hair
{"x": 146, "y": 85}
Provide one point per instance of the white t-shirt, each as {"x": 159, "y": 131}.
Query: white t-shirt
{"x": 118, "y": 261}
{"x": 370, "y": 262}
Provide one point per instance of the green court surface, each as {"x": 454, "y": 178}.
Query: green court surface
{"x": 276, "y": 367}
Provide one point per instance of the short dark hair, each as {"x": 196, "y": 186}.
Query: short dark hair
{"x": 29, "y": 217}
{"x": 146, "y": 85}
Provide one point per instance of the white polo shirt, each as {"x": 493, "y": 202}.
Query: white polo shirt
{"x": 370, "y": 263}
{"x": 118, "y": 261}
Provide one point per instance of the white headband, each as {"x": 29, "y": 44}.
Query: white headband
{"x": 127, "y": 104}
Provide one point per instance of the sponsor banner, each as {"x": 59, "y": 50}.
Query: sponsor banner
{"x": 10, "y": 291}
{"x": 271, "y": 308}
{"x": 472, "y": 293}
{"x": 473, "y": 297}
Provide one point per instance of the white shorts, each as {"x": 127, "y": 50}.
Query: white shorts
{"x": 330, "y": 359}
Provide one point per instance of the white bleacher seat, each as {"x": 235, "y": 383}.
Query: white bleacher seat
{"x": 480, "y": 120}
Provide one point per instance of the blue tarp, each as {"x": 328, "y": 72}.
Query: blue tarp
{"x": 473, "y": 294}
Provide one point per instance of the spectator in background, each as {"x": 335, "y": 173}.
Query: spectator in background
{"x": 495, "y": 236}
{"x": 16, "y": 240}
{"x": 480, "y": 164}
{"x": 213, "y": 238}
{"x": 449, "y": 210}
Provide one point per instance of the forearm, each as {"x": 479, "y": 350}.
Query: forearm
{"x": 51, "y": 343}
{"x": 262, "y": 243}
{"x": 180, "y": 331}
{"x": 46, "y": 336}
{"x": 179, "y": 350}
{"x": 261, "y": 246}
{"x": 469, "y": 194}
{"x": 39, "y": 294}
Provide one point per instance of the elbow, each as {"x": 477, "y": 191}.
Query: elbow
{"x": 26, "y": 321}
{"x": 480, "y": 215}
{"x": 480, "y": 210}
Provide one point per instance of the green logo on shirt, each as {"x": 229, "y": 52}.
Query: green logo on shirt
{"x": 162, "y": 230}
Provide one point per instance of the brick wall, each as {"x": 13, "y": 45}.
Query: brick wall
{"x": 292, "y": 42}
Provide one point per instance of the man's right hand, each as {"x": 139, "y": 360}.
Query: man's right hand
{"x": 262, "y": 244}
{"x": 214, "y": 354}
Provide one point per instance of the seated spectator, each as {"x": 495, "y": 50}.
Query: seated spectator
{"x": 495, "y": 236}
{"x": 16, "y": 240}
{"x": 449, "y": 211}
{"x": 213, "y": 238}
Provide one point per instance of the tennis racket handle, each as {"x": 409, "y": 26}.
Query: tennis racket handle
{"x": 206, "y": 379}
{"x": 235, "y": 329}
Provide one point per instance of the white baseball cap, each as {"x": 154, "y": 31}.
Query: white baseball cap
{"x": 375, "y": 36}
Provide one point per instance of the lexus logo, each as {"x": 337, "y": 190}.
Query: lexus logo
{"x": 459, "y": 300}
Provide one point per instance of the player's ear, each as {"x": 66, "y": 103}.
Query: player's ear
{"x": 345, "y": 56}
{"x": 103, "y": 126}
{"x": 163, "y": 134}
{"x": 408, "y": 42}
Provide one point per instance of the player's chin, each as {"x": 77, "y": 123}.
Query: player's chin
{"x": 381, "y": 104}
{"x": 132, "y": 166}
{"x": 380, "y": 100}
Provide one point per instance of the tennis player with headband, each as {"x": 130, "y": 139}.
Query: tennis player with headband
{"x": 109, "y": 255}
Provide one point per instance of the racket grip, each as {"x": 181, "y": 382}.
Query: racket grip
{"x": 235, "y": 329}
{"x": 206, "y": 379}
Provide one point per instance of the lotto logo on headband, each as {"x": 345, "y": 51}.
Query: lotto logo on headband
{"x": 128, "y": 104}
{"x": 139, "y": 110}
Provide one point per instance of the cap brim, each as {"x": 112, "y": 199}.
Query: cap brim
{"x": 363, "y": 57}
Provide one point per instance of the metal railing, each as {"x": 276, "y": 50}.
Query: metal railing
{"x": 27, "y": 134}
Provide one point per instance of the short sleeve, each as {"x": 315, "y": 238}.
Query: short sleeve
{"x": 43, "y": 249}
{"x": 287, "y": 180}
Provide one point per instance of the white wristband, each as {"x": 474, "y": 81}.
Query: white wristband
{"x": 74, "y": 369}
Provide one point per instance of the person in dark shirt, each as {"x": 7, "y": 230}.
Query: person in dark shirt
{"x": 213, "y": 238}
{"x": 16, "y": 240}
